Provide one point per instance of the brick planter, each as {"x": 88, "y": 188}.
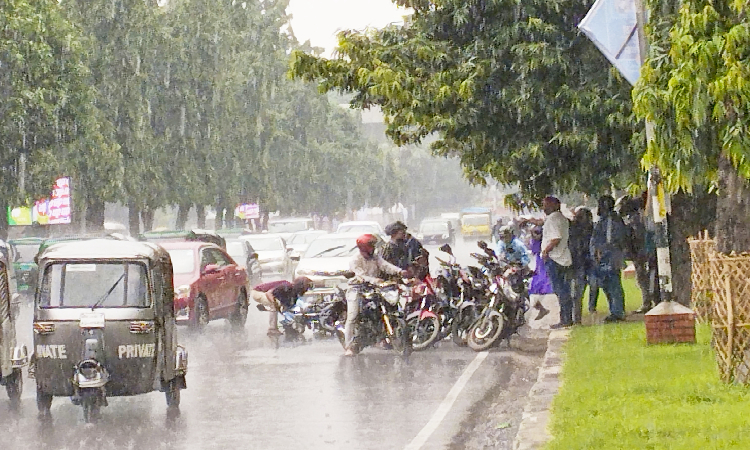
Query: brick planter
{"x": 670, "y": 322}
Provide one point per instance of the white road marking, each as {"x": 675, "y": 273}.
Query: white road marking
{"x": 446, "y": 404}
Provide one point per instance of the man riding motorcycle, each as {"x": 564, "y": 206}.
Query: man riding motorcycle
{"x": 368, "y": 266}
{"x": 405, "y": 251}
{"x": 510, "y": 248}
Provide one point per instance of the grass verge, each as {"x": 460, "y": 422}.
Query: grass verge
{"x": 619, "y": 393}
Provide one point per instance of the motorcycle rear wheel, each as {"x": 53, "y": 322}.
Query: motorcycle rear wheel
{"x": 424, "y": 332}
{"x": 484, "y": 334}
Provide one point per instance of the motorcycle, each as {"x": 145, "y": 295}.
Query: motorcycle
{"x": 460, "y": 293}
{"x": 508, "y": 301}
{"x": 424, "y": 324}
{"x": 380, "y": 317}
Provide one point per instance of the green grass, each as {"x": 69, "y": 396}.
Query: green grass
{"x": 619, "y": 393}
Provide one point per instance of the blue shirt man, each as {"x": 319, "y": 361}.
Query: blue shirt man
{"x": 511, "y": 249}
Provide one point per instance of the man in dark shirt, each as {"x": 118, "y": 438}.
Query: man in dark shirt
{"x": 279, "y": 295}
{"x": 404, "y": 250}
{"x": 607, "y": 243}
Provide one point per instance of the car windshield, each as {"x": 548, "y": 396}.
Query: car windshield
{"x": 183, "y": 260}
{"x": 476, "y": 220}
{"x": 86, "y": 285}
{"x": 236, "y": 250}
{"x": 266, "y": 244}
{"x": 288, "y": 227}
{"x": 358, "y": 228}
{"x": 26, "y": 252}
{"x": 331, "y": 248}
{"x": 433, "y": 228}
{"x": 303, "y": 238}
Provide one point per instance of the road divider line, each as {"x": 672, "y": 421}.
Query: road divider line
{"x": 446, "y": 404}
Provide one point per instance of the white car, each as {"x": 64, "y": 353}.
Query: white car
{"x": 327, "y": 257}
{"x": 273, "y": 255}
{"x": 300, "y": 240}
{"x": 361, "y": 227}
{"x": 286, "y": 227}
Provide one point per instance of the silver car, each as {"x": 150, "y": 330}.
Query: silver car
{"x": 273, "y": 254}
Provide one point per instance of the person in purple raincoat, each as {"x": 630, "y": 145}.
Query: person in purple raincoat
{"x": 540, "y": 282}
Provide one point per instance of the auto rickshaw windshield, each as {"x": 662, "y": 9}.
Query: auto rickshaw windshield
{"x": 100, "y": 284}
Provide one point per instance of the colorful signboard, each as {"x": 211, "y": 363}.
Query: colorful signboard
{"x": 54, "y": 210}
{"x": 247, "y": 211}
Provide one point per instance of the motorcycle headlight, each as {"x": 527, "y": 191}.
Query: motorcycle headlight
{"x": 391, "y": 296}
{"x": 509, "y": 292}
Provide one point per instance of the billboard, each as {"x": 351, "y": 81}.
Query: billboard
{"x": 247, "y": 211}
{"x": 54, "y": 210}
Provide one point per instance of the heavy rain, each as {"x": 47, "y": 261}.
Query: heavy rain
{"x": 329, "y": 224}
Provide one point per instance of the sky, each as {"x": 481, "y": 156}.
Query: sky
{"x": 319, "y": 20}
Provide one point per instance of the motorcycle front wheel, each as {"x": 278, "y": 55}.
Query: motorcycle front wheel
{"x": 460, "y": 325}
{"x": 424, "y": 332}
{"x": 401, "y": 340}
{"x": 485, "y": 333}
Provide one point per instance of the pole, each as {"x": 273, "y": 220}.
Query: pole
{"x": 658, "y": 196}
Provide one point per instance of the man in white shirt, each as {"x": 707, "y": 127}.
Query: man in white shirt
{"x": 557, "y": 257}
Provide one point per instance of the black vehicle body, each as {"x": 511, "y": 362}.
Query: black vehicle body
{"x": 95, "y": 339}
{"x": 12, "y": 356}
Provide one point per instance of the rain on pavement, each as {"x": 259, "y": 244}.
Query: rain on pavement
{"x": 246, "y": 390}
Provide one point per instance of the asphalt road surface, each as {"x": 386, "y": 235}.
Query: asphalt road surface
{"x": 246, "y": 390}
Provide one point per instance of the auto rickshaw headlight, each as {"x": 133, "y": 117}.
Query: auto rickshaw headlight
{"x": 141, "y": 327}
{"x": 44, "y": 327}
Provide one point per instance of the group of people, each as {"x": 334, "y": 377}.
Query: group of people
{"x": 571, "y": 255}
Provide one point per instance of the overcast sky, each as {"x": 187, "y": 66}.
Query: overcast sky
{"x": 320, "y": 20}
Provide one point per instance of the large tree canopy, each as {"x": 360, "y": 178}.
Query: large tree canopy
{"x": 511, "y": 88}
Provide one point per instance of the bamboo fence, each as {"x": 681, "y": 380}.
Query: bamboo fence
{"x": 730, "y": 315}
{"x": 701, "y": 250}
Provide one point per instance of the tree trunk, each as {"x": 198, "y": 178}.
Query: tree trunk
{"x": 134, "y": 218}
{"x": 732, "y": 211}
{"x": 691, "y": 214}
{"x": 147, "y": 217}
{"x": 219, "y": 222}
{"x": 183, "y": 209}
{"x": 200, "y": 210}
{"x": 95, "y": 215}
{"x": 4, "y": 220}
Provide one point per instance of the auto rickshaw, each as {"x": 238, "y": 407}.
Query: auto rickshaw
{"x": 104, "y": 325}
{"x": 12, "y": 357}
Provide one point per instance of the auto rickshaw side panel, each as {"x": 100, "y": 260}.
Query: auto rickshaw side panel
{"x": 7, "y": 328}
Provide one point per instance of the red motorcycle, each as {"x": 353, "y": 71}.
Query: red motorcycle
{"x": 422, "y": 321}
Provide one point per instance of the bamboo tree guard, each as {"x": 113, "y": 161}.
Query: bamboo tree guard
{"x": 701, "y": 250}
{"x": 730, "y": 318}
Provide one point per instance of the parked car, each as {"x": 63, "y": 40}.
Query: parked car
{"x": 242, "y": 251}
{"x": 209, "y": 284}
{"x": 25, "y": 267}
{"x": 326, "y": 259}
{"x": 361, "y": 227}
{"x": 435, "y": 232}
{"x": 286, "y": 227}
{"x": 300, "y": 240}
{"x": 273, "y": 254}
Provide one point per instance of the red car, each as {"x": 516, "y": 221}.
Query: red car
{"x": 208, "y": 284}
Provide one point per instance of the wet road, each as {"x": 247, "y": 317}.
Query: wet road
{"x": 246, "y": 390}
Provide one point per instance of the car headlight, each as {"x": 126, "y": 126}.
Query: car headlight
{"x": 420, "y": 236}
{"x": 445, "y": 236}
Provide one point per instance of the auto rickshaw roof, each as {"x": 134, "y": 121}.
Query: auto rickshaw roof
{"x": 102, "y": 249}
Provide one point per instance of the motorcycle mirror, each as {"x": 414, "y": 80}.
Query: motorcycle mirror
{"x": 483, "y": 245}
{"x": 446, "y": 248}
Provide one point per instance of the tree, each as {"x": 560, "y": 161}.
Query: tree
{"x": 694, "y": 89}
{"x": 511, "y": 88}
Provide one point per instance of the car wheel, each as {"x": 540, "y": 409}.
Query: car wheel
{"x": 239, "y": 316}
{"x": 200, "y": 314}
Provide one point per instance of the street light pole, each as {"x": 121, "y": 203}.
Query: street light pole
{"x": 658, "y": 195}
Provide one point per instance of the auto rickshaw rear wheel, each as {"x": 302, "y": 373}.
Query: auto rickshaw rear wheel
{"x": 14, "y": 387}
{"x": 201, "y": 314}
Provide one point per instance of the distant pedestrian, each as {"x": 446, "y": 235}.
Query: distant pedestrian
{"x": 583, "y": 269}
{"x": 607, "y": 244}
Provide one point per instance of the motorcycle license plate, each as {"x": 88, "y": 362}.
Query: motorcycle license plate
{"x": 91, "y": 320}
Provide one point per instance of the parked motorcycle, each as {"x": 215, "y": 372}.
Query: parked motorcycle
{"x": 424, "y": 324}
{"x": 460, "y": 292}
{"x": 508, "y": 301}
{"x": 380, "y": 317}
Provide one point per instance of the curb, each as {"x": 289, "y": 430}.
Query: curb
{"x": 533, "y": 430}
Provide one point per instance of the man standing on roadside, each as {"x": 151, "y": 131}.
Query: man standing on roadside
{"x": 556, "y": 256}
{"x": 607, "y": 244}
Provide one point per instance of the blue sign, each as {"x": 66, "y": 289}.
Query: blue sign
{"x": 611, "y": 26}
